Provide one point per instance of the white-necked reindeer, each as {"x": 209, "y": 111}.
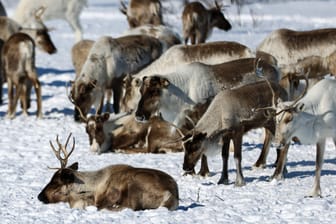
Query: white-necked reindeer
{"x": 311, "y": 118}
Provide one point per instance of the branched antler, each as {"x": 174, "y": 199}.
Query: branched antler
{"x": 61, "y": 153}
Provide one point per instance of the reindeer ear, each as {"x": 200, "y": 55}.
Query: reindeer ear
{"x": 74, "y": 166}
{"x": 67, "y": 176}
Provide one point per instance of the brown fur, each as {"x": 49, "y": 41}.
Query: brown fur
{"x": 141, "y": 12}
{"x": 198, "y": 22}
{"x": 129, "y": 136}
{"x": 19, "y": 68}
{"x": 237, "y": 115}
{"x": 113, "y": 188}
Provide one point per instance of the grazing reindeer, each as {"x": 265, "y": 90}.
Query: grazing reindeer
{"x": 198, "y": 21}
{"x": 208, "y": 53}
{"x": 69, "y": 10}
{"x": 108, "y": 61}
{"x": 114, "y": 187}
{"x": 310, "y": 118}
{"x": 230, "y": 115}
{"x": 79, "y": 53}
{"x": 18, "y": 60}
{"x": 315, "y": 66}
{"x": 289, "y": 46}
{"x": 141, "y": 12}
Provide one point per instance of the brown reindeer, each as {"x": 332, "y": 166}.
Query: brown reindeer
{"x": 113, "y": 188}
{"x": 198, "y": 21}
{"x": 315, "y": 66}
{"x": 141, "y": 12}
{"x": 124, "y": 134}
{"x": 230, "y": 115}
{"x": 18, "y": 60}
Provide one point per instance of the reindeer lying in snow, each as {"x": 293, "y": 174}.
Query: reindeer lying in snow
{"x": 124, "y": 134}
{"x": 311, "y": 118}
{"x": 114, "y": 187}
{"x": 230, "y": 115}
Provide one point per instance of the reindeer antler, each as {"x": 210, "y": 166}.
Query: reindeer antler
{"x": 61, "y": 153}
{"x": 73, "y": 102}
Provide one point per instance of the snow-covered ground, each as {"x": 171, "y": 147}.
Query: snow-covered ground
{"x": 25, "y": 153}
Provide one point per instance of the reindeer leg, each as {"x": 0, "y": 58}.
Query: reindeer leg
{"x": 316, "y": 190}
{"x": 204, "y": 171}
{"x": 23, "y": 99}
{"x": 224, "y": 179}
{"x": 10, "y": 97}
{"x": 18, "y": 91}
{"x": 261, "y": 162}
{"x": 237, "y": 141}
{"x": 37, "y": 86}
{"x": 279, "y": 170}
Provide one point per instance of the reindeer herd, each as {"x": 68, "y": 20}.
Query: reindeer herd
{"x": 169, "y": 96}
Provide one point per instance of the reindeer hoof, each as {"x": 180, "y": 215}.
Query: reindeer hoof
{"x": 191, "y": 172}
{"x": 223, "y": 181}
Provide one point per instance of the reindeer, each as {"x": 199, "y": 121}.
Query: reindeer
{"x": 108, "y": 61}
{"x": 114, "y": 187}
{"x": 38, "y": 32}
{"x": 289, "y": 46}
{"x": 315, "y": 66}
{"x": 79, "y": 53}
{"x": 170, "y": 61}
{"x": 230, "y": 115}
{"x": 124, "y": 134}
{"x": 18, "y": 60}
{"x": 171, "y": 94}
{"x": 141, "y": 12}
{"x": 310, "y": 118}
{"x": 69, "y": 10}
{"x": 166, "y": 35}
{"x": 198, "y": 21}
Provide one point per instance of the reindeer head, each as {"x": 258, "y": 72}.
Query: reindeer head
{"x": 95, "y": 130}
{"x": 193, "y": 150}
{"x": 39, "y": 32}
{"x": 151, "y": 91}
{"x": 58, "y": 189}
{"x": 217, "y": 18}
{"x": 131, "y": 93}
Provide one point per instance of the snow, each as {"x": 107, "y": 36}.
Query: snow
{"x": 25, "y": 154}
